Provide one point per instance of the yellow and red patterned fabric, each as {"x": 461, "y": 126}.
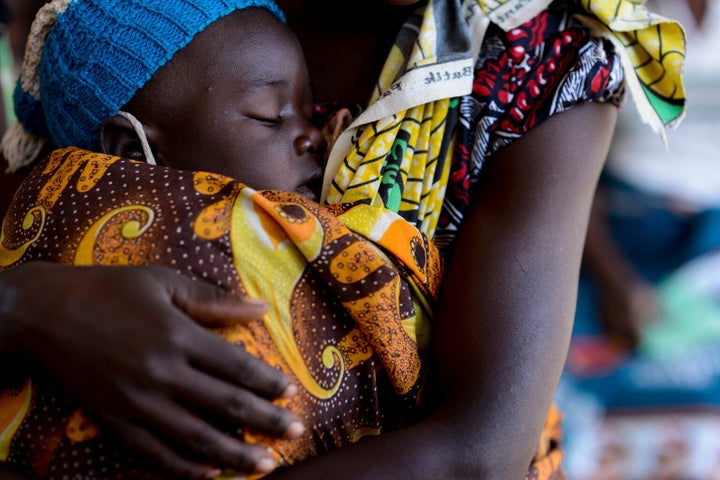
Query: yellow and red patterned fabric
{"x": 466, "y": 77}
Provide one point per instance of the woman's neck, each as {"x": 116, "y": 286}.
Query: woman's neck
{"x": 345, "y": 50}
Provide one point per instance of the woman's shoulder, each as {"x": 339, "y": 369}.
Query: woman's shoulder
{"x": 540, "y": 68}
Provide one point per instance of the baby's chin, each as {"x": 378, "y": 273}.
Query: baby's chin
{"x": 308, "y": 192}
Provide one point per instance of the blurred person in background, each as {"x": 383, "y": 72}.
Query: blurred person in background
{"x": 644, "y": 359}
{"x": 16, "y": 17}
{"x": 656, "y": 208}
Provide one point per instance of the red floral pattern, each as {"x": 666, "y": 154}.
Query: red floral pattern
{"x": 522, "y": 78}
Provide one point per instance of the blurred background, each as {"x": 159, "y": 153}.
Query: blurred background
{"x": 641, "y": 388}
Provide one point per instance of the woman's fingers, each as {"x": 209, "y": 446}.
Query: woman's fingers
{"x": 237, "y": 406}
{"x": 217, "y": 357}
{"x": 205, "y": 449}
{"x": 164, "y": 459}
{"x": 208, "y": 305}
{"x": 113, "y": 336}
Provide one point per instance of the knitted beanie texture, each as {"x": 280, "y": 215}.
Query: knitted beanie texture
{"x": 99, "y": 53}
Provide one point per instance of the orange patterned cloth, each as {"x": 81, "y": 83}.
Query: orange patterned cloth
{"x": 547, "y": 463}
{"x": 352, "y": 289}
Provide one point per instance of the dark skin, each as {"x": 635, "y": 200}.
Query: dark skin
{"x": 239, "y": 96}
{"x": 485, "y": 425}
{"x": 237, "y": 101}
{"x": 530, "y": 220}
{"x": 163, "y": 339}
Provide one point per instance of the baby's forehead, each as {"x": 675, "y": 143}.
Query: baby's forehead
{"x": 244, "y": 39}
{"x": 244, "y": 33}
{"x": 254, "y": 23}
{"x": 250, "y": 49}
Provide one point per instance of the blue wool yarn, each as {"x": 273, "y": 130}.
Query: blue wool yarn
{"x": 101, "y": 52}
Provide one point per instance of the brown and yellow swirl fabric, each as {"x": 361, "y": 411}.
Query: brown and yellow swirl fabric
{"x": 351, "y": 291}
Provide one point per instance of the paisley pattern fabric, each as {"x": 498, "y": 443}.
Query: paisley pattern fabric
{"x": 352, "y": 289}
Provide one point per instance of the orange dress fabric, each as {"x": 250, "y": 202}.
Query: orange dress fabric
{"x": 348, "y": 321}
{"x": 352, "y": 286}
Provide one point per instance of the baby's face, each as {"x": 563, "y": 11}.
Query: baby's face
{"x": 237, "y": 101}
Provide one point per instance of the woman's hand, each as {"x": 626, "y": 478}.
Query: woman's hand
{"x": 131, "y": 344}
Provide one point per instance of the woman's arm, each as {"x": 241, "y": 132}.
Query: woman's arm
{"x": 505, "y": 318}
{"x": 130, "y": 343}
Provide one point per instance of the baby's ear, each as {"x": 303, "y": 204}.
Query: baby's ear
{"x": 118, "y": 137}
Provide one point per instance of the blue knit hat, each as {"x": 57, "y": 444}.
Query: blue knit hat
{"x": 87, "y": 58}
